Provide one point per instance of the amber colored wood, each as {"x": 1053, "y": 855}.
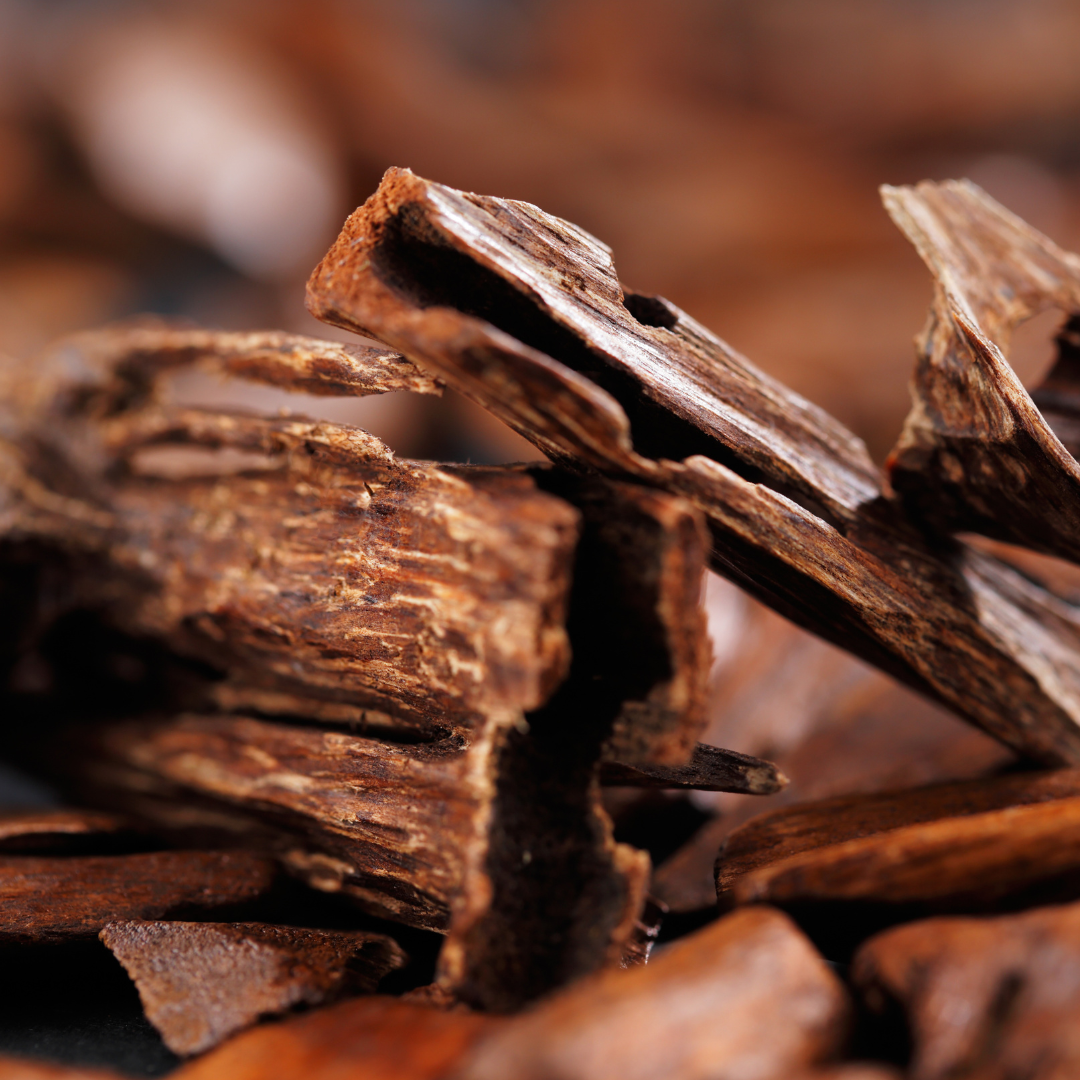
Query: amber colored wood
{"x": 377, "y": 1038}
{"x": 54, "y": 899}
{"x": 746, "y": 996}
{"x": 978, "y": 452}
{"x": 970, "y": 862}
{"x": 523, "y": 312}
{"x": 710, "y": 769}
{"x": 201, "y": 982}
{"x": 774, "y": 836}
{"x": 22, "y": 1069}
{"x": 991, "y": 998}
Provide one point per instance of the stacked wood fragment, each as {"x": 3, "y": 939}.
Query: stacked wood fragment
{"x": 327, "y": 704}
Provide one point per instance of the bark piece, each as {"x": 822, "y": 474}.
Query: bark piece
{"x": 966, "y": 846}
{"x": 523, "y": 313}
{"x": 976, "y": 452}
{"x": 379, "y": 1038}
{"x": 988, "y": 998}
{"x": 747, "y": 996}
{"x": 202, "y": 982}
{"x": 55, "y": 899}
{"x": 63, "y": 830}
{"x": 710, "y": 769}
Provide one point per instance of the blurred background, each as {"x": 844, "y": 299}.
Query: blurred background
{"x": 195, "y": 159}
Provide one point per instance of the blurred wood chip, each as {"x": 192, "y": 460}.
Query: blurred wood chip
{"x": 200, "y": 982}
{"x": 992, "y": 998}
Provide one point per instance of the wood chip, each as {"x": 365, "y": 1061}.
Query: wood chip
{"x": 710, "y": 769}
{"x": 993, "y": 998}
{"x": 201, "y": 982}
{"x": 963, "y": 846}
{"x": 56, "y": 899}
{"x": 67, "y": 829}
{"x": 747, "y": 996}
{"x": 523, "y": 312}
{"x": 378, "y": 1038}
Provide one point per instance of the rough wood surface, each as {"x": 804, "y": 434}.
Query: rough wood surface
{"x": 988, "y": 998}
{"x": 54, "y": 899}
{"x": 976, "y": 452}
{"x": 710, "y": 769}
{"x": 524, "y": 313}
{"x": 747, "y": 996}
{"x": 971, "y": 861}
{"x": 201, "y": 982}
{"x": 377, "y": 1038}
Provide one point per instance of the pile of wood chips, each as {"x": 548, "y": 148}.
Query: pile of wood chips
{"x": 342, "y": 724}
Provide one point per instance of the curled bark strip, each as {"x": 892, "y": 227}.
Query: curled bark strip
{"x": 524, "y": 313}
{"x": 976, "y": 452}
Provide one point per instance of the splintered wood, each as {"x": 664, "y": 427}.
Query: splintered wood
{"x": 343, "y": 722}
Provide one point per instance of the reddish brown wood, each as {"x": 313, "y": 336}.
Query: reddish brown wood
{"x": 747, "y": 996}
{"x": 988, "y": 998}
{"x": 951, "y": 851}
{"x": 65, "y": 829}
{"x": 201, "y": 982}
{"x": 524, "y": 313}
{"x": 378, "y": 1038}
{"x": 709, "y": 769}
{"x": 54, "y": 899}
{"x": 20, "y": 1069}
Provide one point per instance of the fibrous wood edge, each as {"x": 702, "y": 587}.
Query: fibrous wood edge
{"x": 201, "y": 982}
{"x": 710, "y": 768}
{"x": 976, "y": 452}
{"x": 524, "y": 313}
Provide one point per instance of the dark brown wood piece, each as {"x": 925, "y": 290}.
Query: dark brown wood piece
{"x": 67, "y": 829}
{"x": 201, "y": 982}
{"x": 57, "y": 899}
{"x": 988, "y": 998}
{"x": 748, "y": 995}
{"x": 524, "y": 313}
{"x": 710, "y": 769}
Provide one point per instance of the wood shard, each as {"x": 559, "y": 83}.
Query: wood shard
{"x": 964, "y": 846}
{"x": 201, "y": 982}
{"x": 991, "y": 997}
{"x": 55, "y": 899}
{"x": 378, "y": 1038}
{"x": 976, "y": 452}
{"x": 747, "y": 996}
{"x": 523, "y": 312}
{"x": 67, "y": 829}
{"x": 710, "y": 769}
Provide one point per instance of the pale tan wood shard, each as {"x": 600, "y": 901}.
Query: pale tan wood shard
{"x": 976, "y": 452}
{"x": 524, "y": 313}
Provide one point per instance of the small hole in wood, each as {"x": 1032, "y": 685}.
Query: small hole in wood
{"x": 650, "y": 311}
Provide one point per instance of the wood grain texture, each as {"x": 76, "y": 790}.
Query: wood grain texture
{"x": 774, "y": 836}
{"x": 747, "y": 996}
{"x": 201, "y": 982}
{"x": 524, "y": 313}
{"x": 976, "y": 452}
{"x": 54, "y": 899}
{"x": 965, "y": 858}
{"x": 378, "y": 1038}
{"x": 67, "y": 829}
{"x": 987, "y": 998}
